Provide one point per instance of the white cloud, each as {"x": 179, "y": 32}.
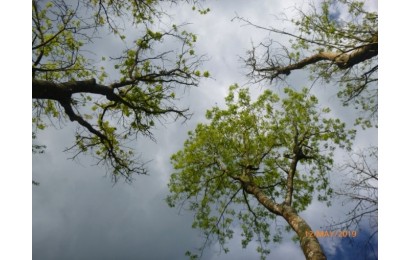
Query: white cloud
{"x": 78, "y": 214}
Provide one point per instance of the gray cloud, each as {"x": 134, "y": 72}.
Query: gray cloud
{"x": 79, "y": 214}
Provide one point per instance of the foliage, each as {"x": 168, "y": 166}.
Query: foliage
{"x": 284, "y": 147}
{"x": 337, "y": 41}
{"x": 112, "y": 111}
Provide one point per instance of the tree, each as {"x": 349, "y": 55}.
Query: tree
{"x": 336, "y": 42}
{"x": 254, "y": 162}
{"x": 333, "y": 47}
{"x": 68, "y": 83}
{"x": 360, "y": 191}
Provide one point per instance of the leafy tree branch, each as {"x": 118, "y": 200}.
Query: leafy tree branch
{"x": 240, "y": 149}
{"x": 67, "y": 83}
{"x": 332, "y": 48}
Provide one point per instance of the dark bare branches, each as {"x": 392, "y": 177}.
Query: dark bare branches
{"x": 361, "y": 188}
{"x": 360, "y": 193}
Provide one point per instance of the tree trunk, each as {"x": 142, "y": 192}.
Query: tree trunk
{"x": 309, "y": 244}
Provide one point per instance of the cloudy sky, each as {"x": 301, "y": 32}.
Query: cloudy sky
{"x": 77, "y": 213}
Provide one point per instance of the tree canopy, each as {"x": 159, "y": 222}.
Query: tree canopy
{"x": 68, "y": 81}
{"x": 336, "y": 41}
{"x": 255, "y": 161}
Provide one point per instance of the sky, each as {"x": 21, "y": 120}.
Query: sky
{"x": 77, "y": 212}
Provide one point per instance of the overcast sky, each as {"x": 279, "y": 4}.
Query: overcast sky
{"x": 79, "y": 214}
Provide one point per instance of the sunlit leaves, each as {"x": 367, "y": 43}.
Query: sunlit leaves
{"x": 324, "y": 29}
{"x": 336, "y": 41}
{"x": 255, "y": 141}
{"x": 153, "y": 64}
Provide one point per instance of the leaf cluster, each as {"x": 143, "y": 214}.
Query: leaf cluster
{"x": 336, "y": 49}
{"x": 255, "y": 142}
{"x": 153, "y": 67}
